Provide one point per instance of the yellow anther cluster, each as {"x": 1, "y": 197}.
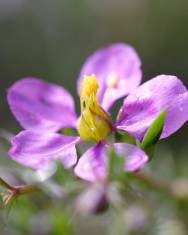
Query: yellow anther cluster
{"x": 94, "y": 123}
{"x": 89, "y": 86}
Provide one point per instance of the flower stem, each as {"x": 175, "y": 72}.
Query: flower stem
{"x": 5, "y": 184}
{"x": 24, "y": 189}
{"x": 13, "y": 192}
{"x": 18, "y": 190}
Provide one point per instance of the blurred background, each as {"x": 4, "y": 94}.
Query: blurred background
{"x": 51, "y": 40}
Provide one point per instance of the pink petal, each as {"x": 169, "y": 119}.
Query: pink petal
{"x": 93, "y": 165}
{"x": 142, "y": 107}
{"x": 135, "y": 158}
{"x": 37, "y": 150}
{"x": 39, "y": 105}
{"x": 119, "y": 60}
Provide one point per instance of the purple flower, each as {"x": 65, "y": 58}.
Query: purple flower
{"x": 43, "y": 109}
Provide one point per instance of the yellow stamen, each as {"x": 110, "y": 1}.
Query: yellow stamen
{"x": 94, "y": 123}
{"x": 89, "y": 86}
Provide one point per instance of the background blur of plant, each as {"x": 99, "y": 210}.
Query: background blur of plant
{"x": 51, "y": 40}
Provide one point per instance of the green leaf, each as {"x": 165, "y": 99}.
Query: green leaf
{"x": 153, "y": 134}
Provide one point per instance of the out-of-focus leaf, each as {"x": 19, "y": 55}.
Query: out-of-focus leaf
{"x": 115, "y": 166}
{"x": 153, "y": 134}
{"x": 1, "y": 200}
{"x": 60, "y": 223}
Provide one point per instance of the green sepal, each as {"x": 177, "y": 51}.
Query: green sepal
{"x": 68, "y": 131}
{"x": 123, "y": 136}
{"x": 153, "y": 134}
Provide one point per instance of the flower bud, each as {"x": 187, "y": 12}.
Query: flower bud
{"x": 93, "y": 200}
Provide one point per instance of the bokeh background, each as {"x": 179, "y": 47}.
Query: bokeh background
{"x": 51, "y": 40}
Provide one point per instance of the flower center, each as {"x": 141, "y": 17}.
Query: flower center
{"x": 94, "y": 123}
